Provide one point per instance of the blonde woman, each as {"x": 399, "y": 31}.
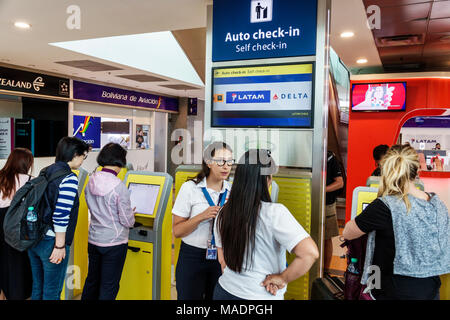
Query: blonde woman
{"x": 412, "y": 245}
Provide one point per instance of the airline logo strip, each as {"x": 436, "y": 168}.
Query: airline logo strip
{"x": 287, "y": 87}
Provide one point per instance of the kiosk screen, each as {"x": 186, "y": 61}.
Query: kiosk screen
{"x": 143, "y": 197}
{"x": 364, "y": 205}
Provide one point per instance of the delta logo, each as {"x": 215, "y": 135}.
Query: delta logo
{"x": 262, "y": 96}
{"x": 290, "y": 96}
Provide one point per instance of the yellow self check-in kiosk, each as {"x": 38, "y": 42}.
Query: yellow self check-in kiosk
{"x": 362, "y": 197}
{"x": 77, "y": 266}
{"x": 374, "y": 182}
{"x": 147, "y": 270}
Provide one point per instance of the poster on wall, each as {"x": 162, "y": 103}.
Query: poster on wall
{"x": 24, "y": 134}
{"x": 192, "y": 106}
{"x": 88, "y": 129}
{"x": 142, "y": 136}
{"x": 117, "y": 131}
{"x": 6, "y": 136}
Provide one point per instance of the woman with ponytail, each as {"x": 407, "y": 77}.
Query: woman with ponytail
{"x": 253, "y": 234}
{"x": 194, "y": 211}
{"x": 412, "y": 239}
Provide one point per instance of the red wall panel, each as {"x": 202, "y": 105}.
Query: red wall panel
{"x": 366, "y": 130}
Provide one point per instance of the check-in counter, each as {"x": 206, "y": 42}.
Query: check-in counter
{"x": 147, "y": 271}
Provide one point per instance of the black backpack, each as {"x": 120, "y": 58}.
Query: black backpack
{"x": 30, "y": 195}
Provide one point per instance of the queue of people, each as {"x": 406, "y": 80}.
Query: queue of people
{"x": 40, "y": 271}
{"x": 234, "y": 239}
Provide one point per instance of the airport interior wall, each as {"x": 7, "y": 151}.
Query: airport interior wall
{"x": 369, "y": 129}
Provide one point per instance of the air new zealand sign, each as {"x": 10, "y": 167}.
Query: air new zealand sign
{"x": 30, "y": 82}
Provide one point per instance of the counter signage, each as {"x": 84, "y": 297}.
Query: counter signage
{"x": 6, "y": 136}
{"x": 255, "y": 29}
{"x": 88, "y": 129}
{"x": 99, "y": 93}
{"x": 36, "y": 83}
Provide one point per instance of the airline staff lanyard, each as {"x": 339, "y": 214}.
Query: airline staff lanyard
{"x": 211, "y": 250}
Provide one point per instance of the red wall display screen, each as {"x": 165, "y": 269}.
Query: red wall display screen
{"x": 387, "y": 96}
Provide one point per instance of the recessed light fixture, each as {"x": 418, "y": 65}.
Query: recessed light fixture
{"x": 347, "y": 34}
{"x": 361, "y": 61}
{"x": 22, "y": 25}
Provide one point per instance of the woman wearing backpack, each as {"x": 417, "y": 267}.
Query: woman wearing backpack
{"x": 49, "y": 257}
{"x": 412, "y": 244}
{"x": 15, "y": 270}
{"x": 253, "y": 235}
{"x": 108, "y": 200}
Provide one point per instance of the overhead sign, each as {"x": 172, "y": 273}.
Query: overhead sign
{"x": 35, "y": 83}
{"x": 95, "y": 92}
{"x": 88, "y": 129}
{"x": 255, "y": 29}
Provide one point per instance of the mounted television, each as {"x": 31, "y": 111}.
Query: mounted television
{"x": 383, "y": 96}
{"x": 269, "y": 96}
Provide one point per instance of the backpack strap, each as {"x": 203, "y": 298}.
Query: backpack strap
{"x": 58, "y": 174}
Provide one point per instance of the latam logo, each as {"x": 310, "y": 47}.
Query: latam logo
{"x": 248, "y": 96}
{"x": 290, "y": 96}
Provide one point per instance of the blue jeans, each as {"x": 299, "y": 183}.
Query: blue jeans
{"x": 48, "y": 278}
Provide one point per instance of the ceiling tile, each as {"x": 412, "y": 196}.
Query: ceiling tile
{"x": 141, "y": 78}
{"x": 401, "y": 14}
{"x": 179, "y": 87}
{"x": 391, "y": 3}
{"x": 88, "y": 65}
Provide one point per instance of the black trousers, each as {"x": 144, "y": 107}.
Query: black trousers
{"x": 196, "y": 277}
{"x": 396, "y": 287}
{"x": 104, "y": 273}
{"x": 15, "y": 269}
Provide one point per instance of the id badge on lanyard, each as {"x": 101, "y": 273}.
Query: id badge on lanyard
{"x": 211, "y": 249}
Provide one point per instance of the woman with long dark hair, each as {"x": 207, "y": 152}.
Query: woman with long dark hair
{"x": 194, "y": 211}
{"x": 253, "y": 234}
{"x": 15, "y": 270}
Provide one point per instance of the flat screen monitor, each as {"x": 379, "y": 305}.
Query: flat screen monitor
{"x": 384, "y": 96}
{"x": 143, "y": 197}
{"x": 269, "y": 96}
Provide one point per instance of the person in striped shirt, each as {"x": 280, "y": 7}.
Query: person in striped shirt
{"x": 49, "y": 257}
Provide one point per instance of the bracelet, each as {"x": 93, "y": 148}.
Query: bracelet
{"x": 63, "y": 247}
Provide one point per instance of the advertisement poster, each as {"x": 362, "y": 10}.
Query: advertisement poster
{"x": 269, "y": 96}
{"x": 88, "y": 129}
{"x": 379, "y": 97}
{"x": 142, "y": 136}
{"x": 6, "y": 136}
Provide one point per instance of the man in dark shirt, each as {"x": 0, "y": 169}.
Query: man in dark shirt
{"x": 335, "y": 182}
{"x": 378, "y": 153}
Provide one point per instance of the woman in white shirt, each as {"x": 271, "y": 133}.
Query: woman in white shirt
{"x": 15, "y": 270}
{"x": 194, "y": 211}
{"x": 253, "y": 234}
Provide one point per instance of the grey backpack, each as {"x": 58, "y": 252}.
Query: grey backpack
{"x": 30, "y": 195}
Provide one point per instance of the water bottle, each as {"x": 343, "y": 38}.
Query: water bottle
{"x": 31, "y": 224}
{"x": 352, "y": 267}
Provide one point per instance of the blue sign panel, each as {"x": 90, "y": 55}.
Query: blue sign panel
{"x": 255, "y": 29}
{"x": 88, "y": 129}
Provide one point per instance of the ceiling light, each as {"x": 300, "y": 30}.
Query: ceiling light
{"x": 347, "y": 34}
{"x": 361, "y": 61}
{"x": 22, "y": 25}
